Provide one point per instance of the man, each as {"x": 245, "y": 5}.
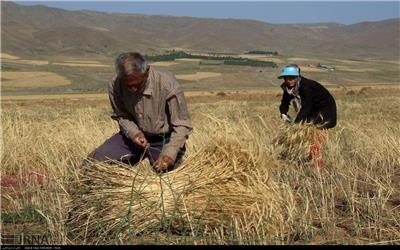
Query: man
{"x": 317, "y": 104}
{"x": 313, "y": 103}
{"x": 151, "y": 111}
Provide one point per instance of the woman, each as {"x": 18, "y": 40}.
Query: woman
{"x": 317, "y": 105}
{"x": 312, "y": 101}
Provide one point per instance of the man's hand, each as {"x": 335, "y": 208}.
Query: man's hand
{"x": 163, "y": 163}
{"x": 140, "y": 141}
{"x": 286, "y": 118}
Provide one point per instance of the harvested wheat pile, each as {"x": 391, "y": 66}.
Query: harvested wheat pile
{"x": 217, "y": 186}
{"x": 293, "y": 143}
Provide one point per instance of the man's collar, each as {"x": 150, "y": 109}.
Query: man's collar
{"x": 149, "y": 83}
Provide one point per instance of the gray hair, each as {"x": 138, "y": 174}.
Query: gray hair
{"x": 130, "y": 63}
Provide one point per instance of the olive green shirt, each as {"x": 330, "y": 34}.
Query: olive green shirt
{"x": 159, "y": 108}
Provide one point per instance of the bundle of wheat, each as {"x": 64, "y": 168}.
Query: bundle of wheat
{"x": 218, "y": 185}
{"x": 293, "y": 143}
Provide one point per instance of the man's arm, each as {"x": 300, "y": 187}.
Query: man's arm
{"x": 126, "y": 123}
{"x": 180, "y": 123}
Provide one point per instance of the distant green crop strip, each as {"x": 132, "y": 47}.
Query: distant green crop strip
{"x": 229, "y": 60}
{"x": 259, "y": 52}
{"x": 249, "y": 62}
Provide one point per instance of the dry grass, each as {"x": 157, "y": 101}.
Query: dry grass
{"x": 82, "y": 64}
{"x": 104, "y": 96}
{"x": 293, "y": 145}
{"x": 32, "y": 79}
{"x": 32, "y": 62}
{"x": 311, "y": 69}
{"x": 83, "y": 61}
{"x": 26, "y": 62}
{"x": 301, "y": 59}
{"x": 212, "y": 190}
{"x": 188, "y": 60}
{"x": 235, "y": 186}
{"x": 8, "y": 56}
{"x": 197, "y": 76}
{"x": 164, "y": 64}
{"x": 350, "y": 69}
{"x": 54, "y": 97}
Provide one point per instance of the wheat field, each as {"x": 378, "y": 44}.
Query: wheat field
{"x": 197, "y": 76}
{"x": 245, "y": 178}
{"x": 33, "y": 79}
{"x": 73, "y": 64}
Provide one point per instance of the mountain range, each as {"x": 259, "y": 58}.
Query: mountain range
{"x": 41, "y": 30}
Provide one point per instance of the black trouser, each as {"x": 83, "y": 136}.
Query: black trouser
{"x": 120, "y": 148}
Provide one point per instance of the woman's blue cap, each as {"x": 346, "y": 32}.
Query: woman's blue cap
{"x": 289, "y": 71}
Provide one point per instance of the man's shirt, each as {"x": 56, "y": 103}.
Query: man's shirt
{"x": 160, "y": 108}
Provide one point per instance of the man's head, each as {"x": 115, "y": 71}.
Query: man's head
{"x": 291, "y": 74}
{"x": 132, "y": 69}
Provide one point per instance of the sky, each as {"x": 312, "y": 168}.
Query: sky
{"x": 286, "y": 12}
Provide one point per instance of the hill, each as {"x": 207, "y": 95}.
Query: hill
{"x": 40, "y": 30}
